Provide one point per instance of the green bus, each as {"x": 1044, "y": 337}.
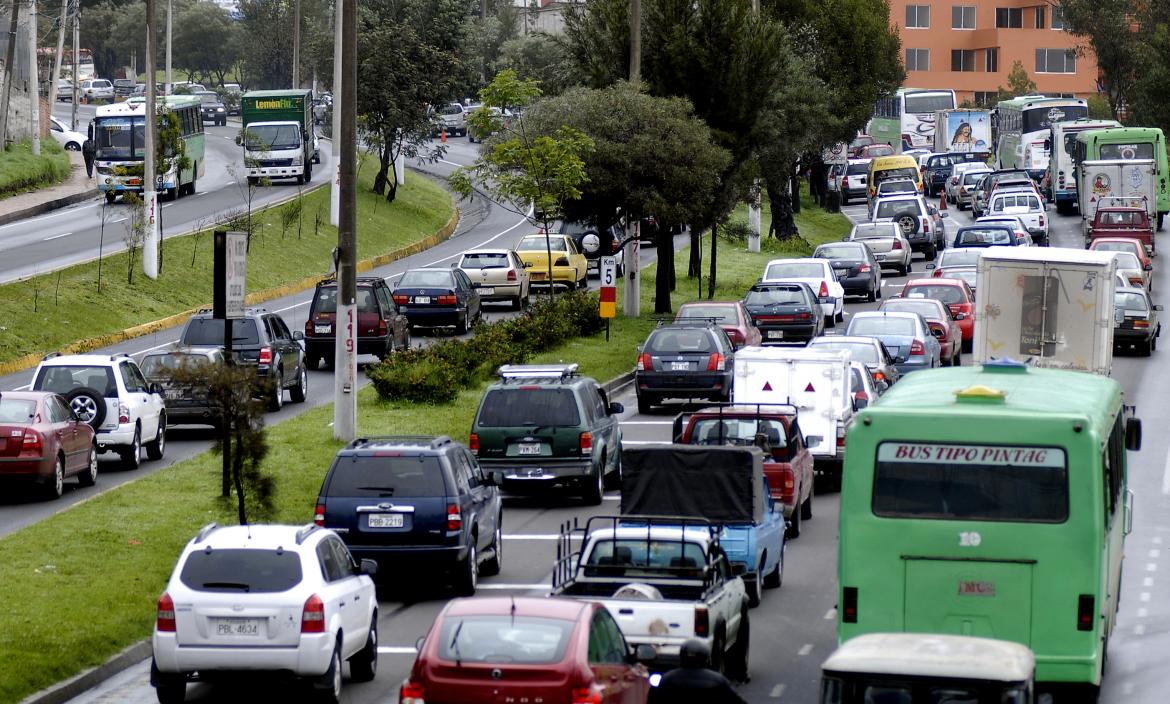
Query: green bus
{"x": 119, "y": 135}
{"x": 990, "y": 501}
{"x": 1129, "y": 143}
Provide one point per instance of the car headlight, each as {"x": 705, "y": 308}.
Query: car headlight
{"x": 219, "y": 109}
{"x": 297, "y": 161}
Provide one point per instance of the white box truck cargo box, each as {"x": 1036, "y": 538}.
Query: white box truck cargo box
{"x": 1049, "y": 306}
{"x": 816, "y": 382}
{"x": 1128, "y": 178}
{"x": 962, "y": 130}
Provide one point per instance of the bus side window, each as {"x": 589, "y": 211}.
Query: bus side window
{"x": 1113, "y": 467}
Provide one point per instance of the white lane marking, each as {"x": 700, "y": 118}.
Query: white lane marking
{"x": 805, "y": 649}
{"x": 644, "y": 442}
{"x": 647, "y": 422}
{"x": 1152, "y": 567}
{"x": 541, "y": 585}
{"x": 1166, "y": 476}
{"x": 396, "y": 650}
{"x": 523, "y": 221}
{"x": 57, "y": 237}
{"x": 1155, "y": 553}
{"x": 1144, "y": 597}
{"x": 1148, "y": 582}
{"x": 613, "y": 498}
{"x": 831, "y": 614}
{"x": 777, "y": 691}
{"x": 1143, "y": 612}
{"x": 59, "y": 213}
{"x": 1139, "y": 629}
{"x": 545, "y": 536}
{"x": 1156, "y": 540}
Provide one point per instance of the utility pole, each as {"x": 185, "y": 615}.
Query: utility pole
{"x": 345, "y": 352}
{"x": 34, "y": 90}
{"x": 56, "y": 77}
{"x": 76, "y": 12}
{"x": 9, "y": 60}
{"x": 167, "y": 83}
{"x": 335, "y": 188}
{"x": 149, "y": 194}
{"x": 632, "y": 286}
{"x": 753, "y": 238}
{"x": 296, "y": 58}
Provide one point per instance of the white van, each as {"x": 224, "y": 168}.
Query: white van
{"x": 816, "y": 382}
{"x": 1027, "y": 206}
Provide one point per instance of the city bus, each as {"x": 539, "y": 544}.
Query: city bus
{"x": 1021, "y": 127}
{"x": 905, "y": 120}
{"x": 990, "y": 501}
{"x": 46, "y": 55}
{"x": 1130, "y": 143}
{"x": 1060, "y": 182}
{"x": 119, "y": 132}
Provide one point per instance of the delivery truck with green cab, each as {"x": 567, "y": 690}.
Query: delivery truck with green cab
{"x": 278, "y": 136}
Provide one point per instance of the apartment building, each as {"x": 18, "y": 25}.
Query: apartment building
{"x": 971, "y": 45}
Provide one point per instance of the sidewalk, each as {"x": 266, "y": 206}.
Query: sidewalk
{"x": 72, "y": 190}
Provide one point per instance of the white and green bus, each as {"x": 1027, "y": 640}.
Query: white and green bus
{"x": 905, "y": 120}
{"x": 990, "y": 501}
{"x": 1021, "y": 126}
{"x": 119, "y": 135}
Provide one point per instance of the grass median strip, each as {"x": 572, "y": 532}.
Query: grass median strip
{"x": 20, "y": 171}
{"x": 291, "y": 242}
{"x": 83, "y": 584}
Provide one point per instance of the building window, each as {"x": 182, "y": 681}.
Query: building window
{"x": 1058, "y": 17}
{"x": 1040, "y": 17}
{"x": 991, "y": 64}
{"x": 986, "y": 99}
{"x": 918, "y": 59}
{"x": 1009, "y": 17}
{"x": 963, "y": 17}
{"x": 962, "y": 59}
{"x": 1056, "y": 61}
{"x": 918, "y": 16}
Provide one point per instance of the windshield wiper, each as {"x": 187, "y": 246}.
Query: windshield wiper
{"x": 455, "y": 645}
{"x": 228, "y": 585}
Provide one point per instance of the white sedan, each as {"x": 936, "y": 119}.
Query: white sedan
{"x": 65, "y": 137}
{"x": 820, "y": 277}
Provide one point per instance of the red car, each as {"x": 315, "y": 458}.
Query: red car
{"x": 729, "y": 315}
{"x": 42, "y": 441}
{"x": 955, "y": 294}
{"x": 526, "y": 649}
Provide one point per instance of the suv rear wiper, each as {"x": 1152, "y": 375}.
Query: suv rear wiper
{"x": 228, "y": 585}
{"x": 455, "y": 645}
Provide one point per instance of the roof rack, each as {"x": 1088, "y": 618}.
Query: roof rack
{"x": 305, "y": 531}
{"x": 433, "y": 442}
{"x": 50, "y": 356}
{"x": 537, "y": 371}
{"x": 119, "y": 355}
{"x": 205, "y": 531}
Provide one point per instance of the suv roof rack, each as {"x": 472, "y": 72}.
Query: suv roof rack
{"x": 305, "y": 531}
{"x": 205, "y": 531}
{"x": 537, "y": 371}
{"x": 50, "y": 356}
{"x": 433, "y": 442}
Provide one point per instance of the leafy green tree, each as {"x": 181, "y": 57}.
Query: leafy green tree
{"x": 1019, "y": 82}
{"x": 541, "y": 58}
{"x": 1149, "y": 103}
{"x": 1106, "y": 28}
{"x": 598, "y": 40}
{"x": 485, "y": 39}
{"x": 205, "y": 45}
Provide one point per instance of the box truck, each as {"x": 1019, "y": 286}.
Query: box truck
{"x": 962, "y": 131}
{"x": 1050, "y": 307}
{"x": 278, "y": 136}
{"x": 1134, "y": 179}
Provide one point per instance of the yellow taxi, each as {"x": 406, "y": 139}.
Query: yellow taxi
{"x": 569, "y": 266}
{"x": 885, "y": 168}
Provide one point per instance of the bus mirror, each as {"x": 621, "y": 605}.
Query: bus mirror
{"x": 90, "y": 131}
{"x": 1133, "y": 434}
{"x": 239, "y": 140}
{"x": 811, "y": 441}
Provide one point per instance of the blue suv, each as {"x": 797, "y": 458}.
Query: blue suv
{"x": 415, "y": 501}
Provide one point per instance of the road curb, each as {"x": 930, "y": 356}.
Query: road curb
{"x": 31, "y": 360}
{"x": 47, "y": 206}
{"x": 617, "y": 383}
{"x": 85, "y": 681}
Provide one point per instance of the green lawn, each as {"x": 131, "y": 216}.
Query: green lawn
{"x": 46, "y": 312}
{"x": 20, "y": 171}
{"x": 82, "y": 585}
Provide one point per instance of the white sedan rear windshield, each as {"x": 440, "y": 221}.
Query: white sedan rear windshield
{"x": 794, "y": 270}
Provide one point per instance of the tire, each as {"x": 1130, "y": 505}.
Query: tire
{"x": 1145, "y": 348}
{"x": 879, "y": 290}
{"x": 718, "y": 656}
{"x": 909, "y": 224}
{"x": 644, "y": 406}
{"x": 327, "y": 688}
{"x": 89, "y": 405}
{"x": 132, "y": 456}
{"x": 55, "y": 487}
{"x": 253, "y": 180}
{"x": 276, "y": 400}
{"x": 298, "y": 393}
{"x": 840, "y": 317}
{"x": 155, "y": 449}
{"x": 595, "y": 492}
{"x": 88, "y": 477}
{"x": 363, "y": 666}
{"x": 931, "y": 254}
{"x": 958, "y": 358}
{"x": 755, "y": 593}
{"x": 737, "y": 659}
{"x": 406, "y": 339}
{"x": 492, "y": 566}
{"x": 467, "y": 579}
{"x": 775, "y": 578}
{"x": 518, "y": 303}
{"x": 872, "y": 295}
{"x": 169, "y": 688}
{"x": 830, "y": 321}
{"x": 462, "y": 325}
{"x": 806, "y": 512}
{"x": 111, "y": 197}
{"x": 844, "y": 199}
{"x": 300, "y": 180}
{"x": 794, "y": 525}
{"x": 309, "y": 171}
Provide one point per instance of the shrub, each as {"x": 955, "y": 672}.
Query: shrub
{"x": 410, "y": 376}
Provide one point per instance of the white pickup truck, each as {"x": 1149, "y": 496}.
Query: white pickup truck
{"x": 665, "y": 580}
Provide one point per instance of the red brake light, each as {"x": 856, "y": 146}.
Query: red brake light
{"x": 897, "y": 244}
{"x": 473, "y": 443}
{"x": 308, "y": 327}
{"x": 586, "y": 695}
{"x": 265, "y": 355}
{"x": 1085, "y": 616}
{"x": 165, "y": 622}
{"x": 401, "y": 299}
{"x": 849, "y": 605}
{"x": 702, "y": 623}
{"x": 879, "y": 376}
{"x": 411, "y": 693}
{"x": 717, "y": 362}
{"x": 1041, "y": 221}
{"x": 123, "y": 413}
{"x": 586, "y": 441}
{"x": 382, "y": 327}
{"x": 447, "y": 300}
{"x": 860, "y": 396}
{"x": 734, "y": 335}
{"x": 511, "y": 274}
{"x": 319, "y": 515}
{"x": 845, "y": 182}
{"x": 926, "y": 224}
{"x": 824, "y": 290}
{"x": 645, "y": 362}
{"x": 454, "y": 518}
{"x": 917, "y": 347}
{"x": 313, "y": 615}
{"x": 863, "y": 268}
{"x": 1141, "y": 323}
{"x": 32, "y": 442}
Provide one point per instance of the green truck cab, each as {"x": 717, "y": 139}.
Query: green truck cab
{"x": 278, "y": 136}
{"x": 545, "y": 426}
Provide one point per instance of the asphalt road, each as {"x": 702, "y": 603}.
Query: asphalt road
{"x": 793, "y": 630}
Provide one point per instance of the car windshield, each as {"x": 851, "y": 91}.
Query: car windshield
{"x": 927, "y": 308}
{"x": 863, "y": 352}
{"x": 266, "y": 138}
{"x": 247, "y": 571}
{"x": 908, "y": 172}
{"x": 857, "y": 168}
{"x": 680, "y": 341}
{"x": 208, "y": 98}
{"x": 839, "y": 251}
{"x": 1115, "y": 247}
{"x": 451, "y": 109}
{"x": 208, "y": 332}
{"x": 775, "y": 296}
{"x": 512, "y": 407}
{"x": 720, "y": 314}
{"x": 387, "y": 474}
{"x": 985, "y": 237}
{"x": 882, "y": 325}
{"x": 505, "y": 639}
{"x": 541, "y": 243}
{"x": 868, "y": 231}
{"x": 16, "y": 410}
{"x": 1120, "y": 217}
{"x": 326, "y": 300}
{"x": 737, "y": 431}
{"x": 1130, "y": 301}
{"x": 160, "y": 365}
{"x": 894, "y": 209}
{"x": 120, "y": 138}
{"x": 484, "y": 260}
{"x": 63, "y": 379}
{"x": 946, "y": 294}
{"x": 427, "y": 278}
{"x": 641, "y": 555}
{"x": 795, "y": 270}
{"x": 959, "y": 257}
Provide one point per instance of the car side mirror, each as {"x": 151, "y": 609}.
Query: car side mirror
{"x": 615, "y": 408}
{"x": 239, "y": 140}
{"x": 495, "y": 478}
{"x": 298, "y": 335}
{"x": 643, "y": 653}
{"x": 937, "y": 333}
{"x": 418, "y": 644}
{"x": 1148, "y": 267}
{"x": 811, "y": 441}
{"x": 1133, "y": 434}
{"x": 930, "y": 266}
{"x": 960, "y": 316}
{"x": 369, "y": 567}
{"x": 944, "y": 214}
{"x": 154, "y": 388}
{"x": 1158, "y": 306}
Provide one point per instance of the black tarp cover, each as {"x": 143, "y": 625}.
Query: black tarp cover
{"x": 719, "y": 483}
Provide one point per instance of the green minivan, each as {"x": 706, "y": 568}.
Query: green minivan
{"x": 546, "y": 426}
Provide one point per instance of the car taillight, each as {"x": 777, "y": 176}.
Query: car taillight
{"x": 308, "y": 328}
{"x": 1085, "y": 616}
{"x": 863, "y": 268}
{"x": 165, "y": 622}
{"x": 1041, "y": 221}
{"x": 788, "y": 481}
{"x": 917, "y": 347}
{"x": 702, "y": 623}
{"x": 954, "y": 180}
{"x": 645, "y": 362}
{"x": 411, "y": 693}
{"x": 511, "y": 274}
{"x": 897, "y": 244}
{"x": 734, "y": 335}
{"x": 447, "y": 300}
{"x": 454, "y": 518}
{"x": 265, "y": 355}
{"x": 123, "y": 413}
{"x": 717, "y": 362}
{"x": 1141, "y": 323}
{"x": 401, "y": 300}
{"x": 473, "y": 443}
{"x": 823, "y": 292}
{"x": 313, "y": 615}
{"x": 319, "y": 515}
{"x": 860, "y": 396}
{"x": 586, "y": 443}
{"x": 586, "y": 695}
{"x": 926, "y": 225}
{"x": 840, "y": 436}
{"x": 32, "y": 442}
{"x": 804, "y": 316}
{"x": 845, "y": 182}
{"x": 382, "y": 327}
{"x": 849, "y": 605}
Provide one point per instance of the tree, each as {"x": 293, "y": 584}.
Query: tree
{"x": 1106, "y": 28}
{"x": 519, "y": 169}
{"x": 205, "y": 45}
{"x": 266, "y": 28}
{"x": 650, "y": 156}
{"x": 597, "y": 39}
{"x": 1149, "y": 103}
{"x": 540, "y": 58}
{"x": 1019, "y": 83}
{"x": 484, "y": 40}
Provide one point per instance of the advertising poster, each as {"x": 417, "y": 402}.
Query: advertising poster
{"x": 968, "y": 131}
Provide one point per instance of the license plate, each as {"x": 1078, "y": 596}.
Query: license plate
{"x": 422, "y": 299}
{"x": 680, "y": 366}
{"x": 385, "y": 520}
{"x": 775, "y": 334}
{"x": 248, "y": 627}
{"x": 486, "y": 291}
{"x": 173, "y": 394}
{"x": 878, "y": 256}
{"x": 322, "y": 329}
{"x": 529, "y": 448}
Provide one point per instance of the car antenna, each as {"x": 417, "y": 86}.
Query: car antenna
{"x": 513, "y": 610}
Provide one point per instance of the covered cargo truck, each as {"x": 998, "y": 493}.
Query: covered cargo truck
{"x": 962, "y": 131}
{"x": 278, "y": 137}
{"x": 1049, "y": 307}
{"x": 1134, "y": 179}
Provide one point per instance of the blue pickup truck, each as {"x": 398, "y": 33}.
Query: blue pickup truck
{"x": 726, "y": 486}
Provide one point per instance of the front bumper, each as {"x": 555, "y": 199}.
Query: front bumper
{"x": 310, "y": 658}
{"x": 276, "y": 171}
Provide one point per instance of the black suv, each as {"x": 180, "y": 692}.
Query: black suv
{"x": 381, "y": 328}
{"x": 544, "y": 426}
{"x": 260, "y": 338}
{"x": 417, "y": 502}
{"x": 212, "y": 107}
{"x": 684, "y": 360}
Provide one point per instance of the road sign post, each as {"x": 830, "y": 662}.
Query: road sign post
{"x": 229, "y": 273}
{"x": 608, "y": 273}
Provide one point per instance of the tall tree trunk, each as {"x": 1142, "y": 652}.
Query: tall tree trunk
{"x": 714, "y": 253}
{"x": 392, "y": 191}
{"x": 794, "y": 185}
{"x": 664, "y": 283}
{"x": 694, "y": 265}
{"x": 783, "y": 225}
{"x": 380, "y": 178}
